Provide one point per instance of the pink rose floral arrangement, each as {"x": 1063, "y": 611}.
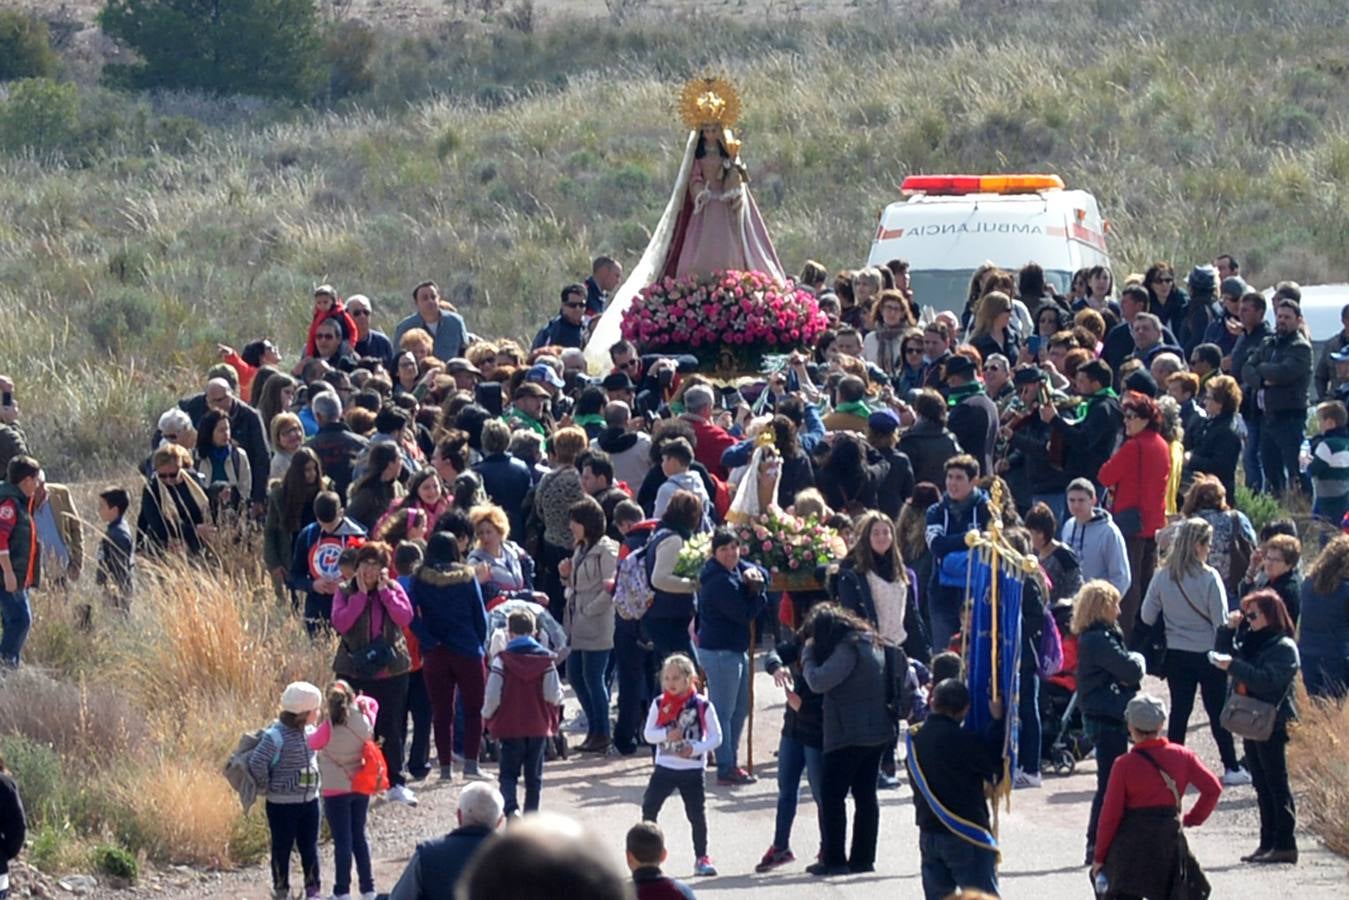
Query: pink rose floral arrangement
{"x": 748, "y": 313}
{"x": 788, "y": 545}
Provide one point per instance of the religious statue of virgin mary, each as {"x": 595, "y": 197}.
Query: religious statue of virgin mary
{"x": 711, "y": 223}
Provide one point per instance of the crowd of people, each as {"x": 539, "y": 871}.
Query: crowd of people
{"x": 465, "y": 518}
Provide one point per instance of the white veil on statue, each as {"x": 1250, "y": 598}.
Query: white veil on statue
{"x": 747, "y": 506}
{"x": 607, "y": 330}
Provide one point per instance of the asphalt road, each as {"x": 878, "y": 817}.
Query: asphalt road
{"x": 1042, "y": 834}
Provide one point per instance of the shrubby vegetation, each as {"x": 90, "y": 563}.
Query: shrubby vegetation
{"x": 25, "y": 47}
{"x": 264, "y": 47}
{"x": 108, "y": 769}
{"x": 146, "y": 226}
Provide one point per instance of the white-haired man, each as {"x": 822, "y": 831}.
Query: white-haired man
{"x": 710, "y": 439}
{"x": 436, "y": 865}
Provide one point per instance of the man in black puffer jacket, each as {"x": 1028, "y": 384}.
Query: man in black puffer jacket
{"x": 1279, "y": 373}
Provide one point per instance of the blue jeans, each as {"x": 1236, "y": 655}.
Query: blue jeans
{"x": 1280, "y": 444}
{"x": 585, "y": 671}
{"x": 1250, "y": 457}
{"x": 15, "y": 618}
{"x": 1028, "y": 709}
{"x": 1112, "y": 742}
{"x": 944, "y": 612}
{"x": 950, "y": 863}
{"x": 794, "y": 758}
{"x": 728, "y": 689}
{"x": 522, "y": 755}
{"x": 346, "y": 820}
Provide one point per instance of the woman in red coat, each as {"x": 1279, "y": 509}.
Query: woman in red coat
{"x": 1136, "y": 476}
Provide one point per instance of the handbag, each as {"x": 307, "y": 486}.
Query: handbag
{"x": 1128, "y": 521}
{"x": 374, "y": 657}
{"x": 1249, "y": 718}
{"x": 1151, "y": 640}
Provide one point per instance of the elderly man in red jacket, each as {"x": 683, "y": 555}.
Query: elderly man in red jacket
{"x": 712, "y": 439}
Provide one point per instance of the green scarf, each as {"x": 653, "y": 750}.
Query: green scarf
{"x": 857, "y": 408}
{"x": 526, "y": 420}
{"x": 1088, "y": 402}
{"x": 965, "y": 391}
{"x": 588, "y": 419}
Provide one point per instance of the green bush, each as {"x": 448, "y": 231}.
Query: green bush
{"x": 262, "y": 47}
{"x": 41, "y": 776}
{"x": 25, "y": 47}
{"x": 121, "y": 320}
{"x": 1261, "y": 509}
{"x": 116, "y": 862}
{"x": 40, "y": 115}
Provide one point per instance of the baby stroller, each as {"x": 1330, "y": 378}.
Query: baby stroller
{"x": 1067, "y": 744}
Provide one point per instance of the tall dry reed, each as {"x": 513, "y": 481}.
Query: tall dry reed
{"x": 1318, "y": 761}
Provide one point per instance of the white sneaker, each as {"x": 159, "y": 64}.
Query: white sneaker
{"x": 1026, "y": 780}
{"x": 1235, "y": 777}
{"x": 400, "y": 794}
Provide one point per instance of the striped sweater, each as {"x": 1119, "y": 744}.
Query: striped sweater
{"x": 284, "y": 767}
{"x": 1329, "y": 470}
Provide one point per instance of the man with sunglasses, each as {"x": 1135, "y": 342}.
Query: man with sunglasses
{"x": 369, "y": 341}
{"x": 566, "y": 329}
{"x": 332, "y": 349}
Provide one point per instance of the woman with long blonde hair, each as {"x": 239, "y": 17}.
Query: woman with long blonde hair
{"x": 1189, "y": 595}
{"x": 992, "y": 330}
{"x": 1108, "y": 676}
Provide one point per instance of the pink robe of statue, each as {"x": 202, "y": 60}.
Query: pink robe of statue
{"x": 720, "y": 232}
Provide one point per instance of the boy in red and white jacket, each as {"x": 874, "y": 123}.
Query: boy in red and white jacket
{"x": 520, "y": 707}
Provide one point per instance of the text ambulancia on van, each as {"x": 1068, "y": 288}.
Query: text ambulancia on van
{"x": 949, "y": 225}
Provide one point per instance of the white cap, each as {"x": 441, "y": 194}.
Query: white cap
{"x": 300, "y": 697}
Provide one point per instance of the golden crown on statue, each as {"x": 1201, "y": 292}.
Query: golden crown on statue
{"x": 710, "y": 100}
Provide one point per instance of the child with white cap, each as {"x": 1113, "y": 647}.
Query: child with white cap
{"x": 287, "y": 771}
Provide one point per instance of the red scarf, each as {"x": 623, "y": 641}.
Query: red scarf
{"x": 671, "y": 705}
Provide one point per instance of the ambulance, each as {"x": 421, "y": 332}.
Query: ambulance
{"x": 949, "y": 225}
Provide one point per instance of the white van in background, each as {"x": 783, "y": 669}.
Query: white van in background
{"x": 949, "y": 225}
